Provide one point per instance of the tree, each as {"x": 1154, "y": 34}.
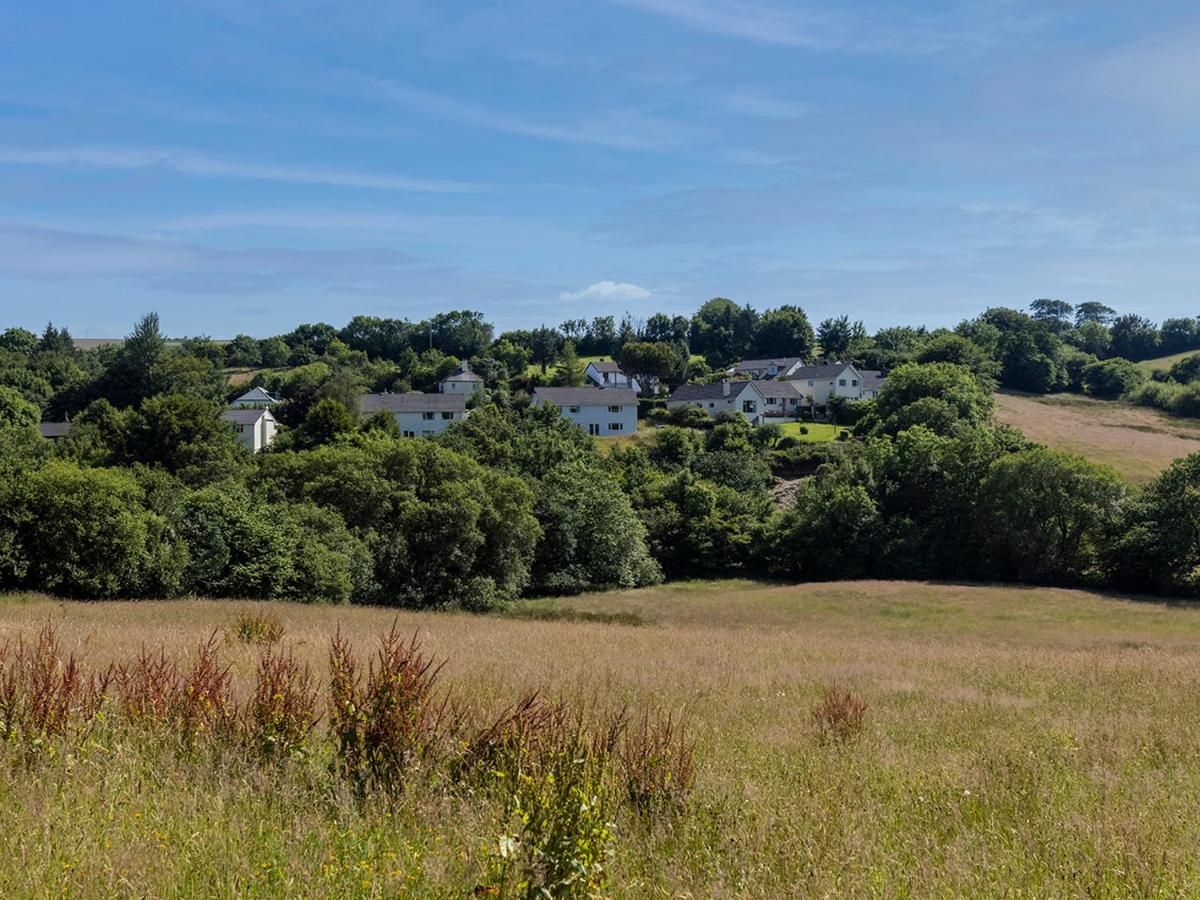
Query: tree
{"x": 513, "y": 357}
{"x": 1055, "y": 313}
{"x": 1090, "y": 337}
{"x": 952, "y": 390}
{"x": 591, "y": 539}
{"x": 783, "y": 332}
{"x": 1112, "y": 378}
{"x": 1179, "y": 335}
{"x": 274, "y": 353}
{"x": 131, "y": 379}
{"x": 826, "y": 532}
{"x": 460, "y": 333}
{"x": 1156, "y": 545}
{"x": 243, "y": 350}
{"x": 15, "y": 411}
{"x": 722, "y": 331}
{"x": 185, "y": 436}
{"x": 570, "y": 370}
{"x": 1092, "y": 311}
{"x": 18, "y": 340}
{"x": 1134, "y": 337}
{"x": 1045, "y": 514}
{"x": 649, "y": 363}
{"x": 953, "y": 348}
{"x": 836, "y": 336}
{"x": 325, "y": 422}
{"x": 544, "y": 344}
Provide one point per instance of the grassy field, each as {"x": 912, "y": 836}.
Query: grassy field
{"x": 1016, "y": 741}
{"x": 1163, "y": 363}
{"x": 1137, "y": 441}
{"x": 817, "y": 432}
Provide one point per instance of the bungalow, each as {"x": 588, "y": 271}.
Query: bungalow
{"x": 417, "y": 414}
{"x": 602, "y": 412}
{"x": 255, "y": 427}
{"x": 830, "y": 380}
{"x": 606, "y": 374}
{"x": 744, "y": 397}
{"x": 52, "y": 431}
{"x": 255, "y": 398}
{"x": 872, "y": 383}
{"x": 461, "y": 381}
{"x": 783, "y": 398}
{"x": 780, "y": 367}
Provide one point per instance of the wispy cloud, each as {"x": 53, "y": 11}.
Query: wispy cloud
{"x": 188, "y": 163}
{"x": 752, "y": 21}
{"x": 764, "y": 106}
{"x": 608, "y": 290}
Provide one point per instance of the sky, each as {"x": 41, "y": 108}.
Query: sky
{"x": 242, "y": 167}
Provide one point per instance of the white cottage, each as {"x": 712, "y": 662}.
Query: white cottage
{"x": 255, "y": 398}
{"x": 601, "y": 412}
{"x": 417, "y": 414}
{"x": 461, "y": 381}
{"x": 723, "y": 396}
{"x": 255, "y": 428}
{"x": 603, "y": 373}
{"x": 830, "y": 380}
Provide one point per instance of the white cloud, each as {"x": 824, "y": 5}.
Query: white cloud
{"x": 736, "y": 18}
{"x": 608, "y": 290}
{"x": 206, "y": 166}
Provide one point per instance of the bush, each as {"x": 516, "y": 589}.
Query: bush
{"x": 257, "y": 628}
{"x": 1112, "y": 378}
{"x": 691, "y": 417}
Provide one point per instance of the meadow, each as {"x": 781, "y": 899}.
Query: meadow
{"x": 1016, "y": 741}
{"x": 1137, "y": 441}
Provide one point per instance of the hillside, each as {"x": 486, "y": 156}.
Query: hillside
{"x": 1137, "y": 441}
{"x": 1163, "y": 363}
{"x": 1013, "y": 741}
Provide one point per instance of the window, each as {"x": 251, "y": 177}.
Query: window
{"x": 427, "y": 416}
{"x": 853, "y": 382}
{"x": 447, "y": 415}
{"x": 614, "y": 409}
{"x": 573, "y": 409}
{"x": 410, "y": 434}
{"x": 749, "y": 406}
{"x": 615, "y": 426}
{"x": 710, "y": 406}
{"x": 841, "y": 382}
{"x": 771, "y": 401}
{"x": 792, "y": 401}
{"x": 594, "y": 429}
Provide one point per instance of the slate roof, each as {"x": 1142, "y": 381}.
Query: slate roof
{"x": 54, "y": 429}
{"x": 784, "y": 389}
{"x": 463, "y": 373}
{"x": 818, "y": 373}
{"x": 413, "y": 401}
{"x": 754, "y": 365}
{"x": 244, "y": 416}
{"x": 256, "y": 395}
{"x": 692, "y": 393}
{"x": 872, "y": 380}
{"x": 585, "y": 396}
{"x": 605, "y": 365}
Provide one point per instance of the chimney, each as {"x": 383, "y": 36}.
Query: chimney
{"x": 725, "y": 388}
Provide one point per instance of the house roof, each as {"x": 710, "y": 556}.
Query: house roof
{"x": 463, "y": 373}
{"x": 873, "y": 380}
{"x": 413, "y": 402}
{"x": 256, "y": 395}
{"x": 585, "y": 396}
{"x": 781, "y": 362}
{"x": 716, "y": 391}
{"x": 245, "y": 416}
{"x": 819, "y": 373}
{"x": 605, "y": 365}
{"x": 54, "y": 429}
{"x": 777, "y": 389}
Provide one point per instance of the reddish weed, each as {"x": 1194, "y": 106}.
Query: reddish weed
{"x": 657, "y": 764}
{"x": 839, "y": 714}
{"x": 283, "y": 710}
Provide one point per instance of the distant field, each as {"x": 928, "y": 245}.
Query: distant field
{"x": 1137, "y": 441}
{"x": 1016, "y": 742}
{"x": 1163, "y": 363}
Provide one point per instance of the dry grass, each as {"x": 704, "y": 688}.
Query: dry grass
{"x": 1137, "y": 441}
{"x": 1017, "y": 741}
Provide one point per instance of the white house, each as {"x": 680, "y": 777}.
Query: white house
{"x": 601, "y": 412}
{"x": 829, "y": 380}
{"x": 417, "y": 414}
{"x": 872, "y": 383}
{"x": 783, "y": 398}
{"x": 780, "y": 367}
{"x": 723, "y": 396}
{"x": 461, "y": 381}
{"x": 603, "y": 373}
{"x": 255, "y": 427}
{"x": 255, "y": 398}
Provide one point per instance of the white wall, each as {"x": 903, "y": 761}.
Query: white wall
{"x": 821, "y": 390}
{"x": 414, "y": 424}
{"x": 597, "y": 420}
{"x": 460, "y": 387}
{"x": 258, "y": 436}
{"x": 739, "y": 393}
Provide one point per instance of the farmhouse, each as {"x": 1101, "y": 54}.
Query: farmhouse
{"x": 780, "y": 367}
{"x": 723, "y": 396}
{"x": 602, "y": 412}
{"x": 417, "y": 414}
{"x": 461, "y": 381}
{"x": 829, "y": 380}
{"x": 604, "y": 373}
{"x": 255, "y": 398}
{"x": 255, "y": 427}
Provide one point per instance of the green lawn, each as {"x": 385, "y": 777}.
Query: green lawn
{"x": 1163, "y": 363}
{"x": 818, "y": 432}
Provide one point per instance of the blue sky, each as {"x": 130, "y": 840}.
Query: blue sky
{"x": 242, "y": 167}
